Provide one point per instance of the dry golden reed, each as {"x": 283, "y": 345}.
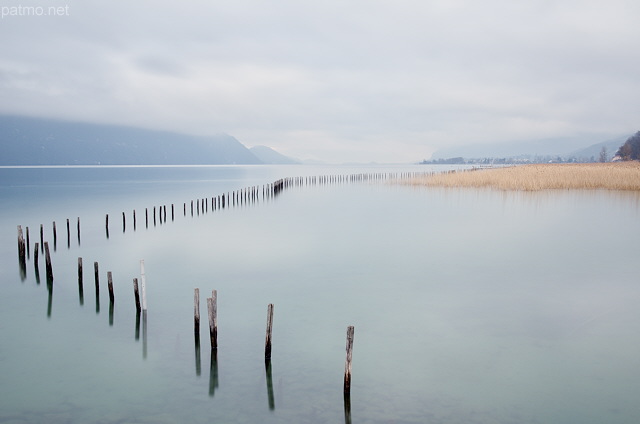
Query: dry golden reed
{"x": 610, "y": 176}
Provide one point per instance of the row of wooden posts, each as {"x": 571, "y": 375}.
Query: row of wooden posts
{"x": 234, "y": 198}
{"x": 212, "y": 310}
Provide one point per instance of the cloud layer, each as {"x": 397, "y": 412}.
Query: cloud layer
{"x": 336, "y": 81}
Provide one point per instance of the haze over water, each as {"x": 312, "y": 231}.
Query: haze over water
{"x": 468, "y": 306}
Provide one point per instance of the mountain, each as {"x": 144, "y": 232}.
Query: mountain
{"x": 269, "y": 156}
{"x": 594, "y": 150}
{"x": 36, "y": 141}
{"x": 564, "y": 146}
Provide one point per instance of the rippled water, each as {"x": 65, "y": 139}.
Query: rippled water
{"x": 468, "y": 306}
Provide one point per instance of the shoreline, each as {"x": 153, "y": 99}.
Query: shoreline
{"x": 535, "y": 177}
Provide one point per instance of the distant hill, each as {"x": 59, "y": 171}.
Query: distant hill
{"x": 563, "y": 147}
{"x": 269, "y": 156}
{"x": 594, "y": 150}
{"x": 35, "y": 141}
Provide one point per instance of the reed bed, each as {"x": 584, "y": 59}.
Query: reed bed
{"x": 589, "y": 176}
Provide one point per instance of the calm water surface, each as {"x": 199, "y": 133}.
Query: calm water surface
{"x": 468, "y": 306}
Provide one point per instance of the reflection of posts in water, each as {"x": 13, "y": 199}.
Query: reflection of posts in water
{"x": 80, "y": 282}
{"x": 50, "y": 300}
{"x": 272, "y": 402}
{"x": 144, "y": 334}
{"x": 347, "y": 408}
{"x": 213, "y": 372}
{"x": 198, "y": 361}
{"x": 137, "y": 336}
{"x": 111, "y": 314}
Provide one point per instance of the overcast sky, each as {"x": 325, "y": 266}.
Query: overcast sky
{"x": 386, "y": 81}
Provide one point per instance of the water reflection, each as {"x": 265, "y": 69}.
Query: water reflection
{"x": 270, "y": 397}
{"x": 213, "y": 372}
{"x": 347, "y": 408}
{"x": 137, "y": 332}
{"x": 50, "y": 300}
{"x": 111, "y": 314}
{"x": 198, "y": 359}
{"x": 144, "y": 334}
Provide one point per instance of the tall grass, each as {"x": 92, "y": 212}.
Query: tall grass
{"x": 610, "y": 176}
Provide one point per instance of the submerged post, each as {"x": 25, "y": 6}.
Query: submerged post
{"x": 136, "y": 294}
{"x": 347, "y": 365}
{"x": 48, "y": 261}
{"x": 267, "y": 345}
{"x": 196, "y": 312}
{"x": 110, "y": 285}
{"x": 96, "y": 276}
{"x": 213, "y": 319}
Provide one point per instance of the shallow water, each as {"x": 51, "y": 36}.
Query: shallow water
{"x": 468, "y": 306}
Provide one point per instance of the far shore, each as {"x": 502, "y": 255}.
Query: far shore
{"x": 587, "y": 176}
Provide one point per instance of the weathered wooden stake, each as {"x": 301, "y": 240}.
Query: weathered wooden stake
{"x": 78, "y": 230}
{"x": 213, "y": 319}
{"x": 55, "y": 235}
{"x": 48, "y": 262}
{"x": 134, "y": 220}
{"x": 347, "y": 365}
{"x": 196, "y": 312}
{"x": 110, "y": 285}
{"x": 267, "y": 345}
{"x": 136, "y": 294}
{"x": 35, "y": 255}
{"x": 21, "y": 245}
{"x": 124, "y": 222}
{"x": 42, "y": 238}
{"x": 143, "y": 284}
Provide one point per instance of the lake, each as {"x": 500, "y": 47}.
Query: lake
{"x": 469, "y": 306}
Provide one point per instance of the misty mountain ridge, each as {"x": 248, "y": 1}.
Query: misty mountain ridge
{"x": 269, "y": 156}
{"x": 581, "y": 148}
{"x": 35, "y": 141}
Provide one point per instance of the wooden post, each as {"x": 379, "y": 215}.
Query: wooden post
{"x": 213, "y": 319}
{"x": 21, "y": 245}
{"x": 48, "y": 262}
{"x": 196, "y": 312}
{"x": 267, "y": 345}
{"x": 80, "y": 282}
{"x": 96, "y": 277}
{"x": 136, "y": 294}
{"x": 110, "y": 285}
{"x": 106, "y": 223}
{"x": 68, "y": 234}
{"x": 124, "y": 222}
{"x": 78, "y": 230}
{"x": 134, "y": 220}
{"x": 35, "y": 256}
{"x": 347, "y": 365}
{"x": 41, "y": 238}
{"x": 143, "y": 283}
{"x": 55, "y": 236}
